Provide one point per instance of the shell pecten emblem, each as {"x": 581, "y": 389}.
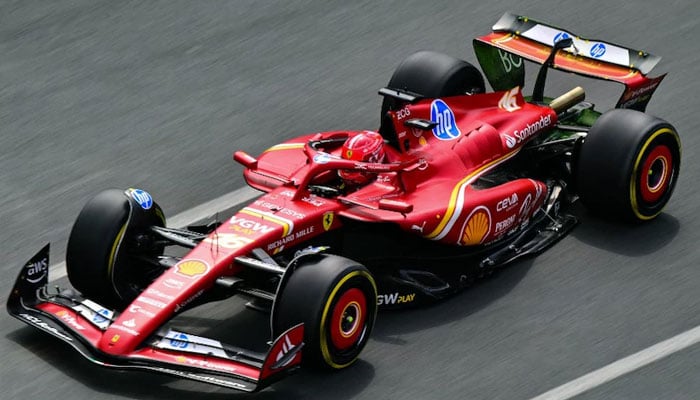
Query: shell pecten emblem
{"x": 192, "y": 268}
{"x": 476, "y": 227}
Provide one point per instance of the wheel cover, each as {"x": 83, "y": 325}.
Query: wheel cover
{"x": 348, "y": 319}
{"x": 662, "y": 160}
{"x": 333, "y": 356}
{"x": 655, "y": 174}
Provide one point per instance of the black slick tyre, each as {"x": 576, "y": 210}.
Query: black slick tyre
{"x": 336, "y": 299}
{"x": 628, "y": 165}
{"x": 105, "y": 253}
{"x": 430, "y": 74}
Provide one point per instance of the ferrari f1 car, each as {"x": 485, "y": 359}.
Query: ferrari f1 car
{"x": 461, "y": 182}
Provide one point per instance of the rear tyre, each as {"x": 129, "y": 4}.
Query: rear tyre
{"x": 430, "y": 74}
{"x": 109, "y": 244}
{"x": 628, "y": 165}
{"x": 336, "y": 299}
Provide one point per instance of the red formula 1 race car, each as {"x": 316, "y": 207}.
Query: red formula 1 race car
{"x": 455, "y": 183}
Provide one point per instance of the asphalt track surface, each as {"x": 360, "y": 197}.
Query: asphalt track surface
{"x": 157, "y": 94}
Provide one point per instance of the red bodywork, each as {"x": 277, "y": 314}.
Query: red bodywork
{"x": 433, "y": 176}
{"x": 426, "y": 186}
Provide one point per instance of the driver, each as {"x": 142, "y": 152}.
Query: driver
{"x": 367, "y": 146}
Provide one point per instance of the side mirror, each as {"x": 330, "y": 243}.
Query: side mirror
{"x": 563, "y": 43}
{"x": 395, "y": 205}
{"x": 245, "y": 159}
{"x": 422, "y": 124}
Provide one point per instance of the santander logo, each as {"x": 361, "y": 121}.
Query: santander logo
{"x": 509, "y": 101}
{"x": 510, "y": 141}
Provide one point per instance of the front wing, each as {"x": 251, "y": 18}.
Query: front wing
{"x": 81, "y": 323}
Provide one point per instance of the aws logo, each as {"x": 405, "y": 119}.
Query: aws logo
{"x": 442, "y": 114}
{"x": 36, "y": 271}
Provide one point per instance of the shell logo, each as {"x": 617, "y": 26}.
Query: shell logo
{"x": 476, "y": 227}
{"x": 192, "y": 268}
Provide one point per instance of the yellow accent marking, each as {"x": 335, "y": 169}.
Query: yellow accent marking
{"x": 456, "y": 190}
{"x": 112, "y": 254}
{"x": 285, "y": 146}
{"x": 633, "y": 187}
{"x": 270, "y": 218}
{"x": 159, "y": 214}
{"x": 323, "y": 341}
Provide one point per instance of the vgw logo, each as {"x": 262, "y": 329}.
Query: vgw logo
{"x": 446, "y": 128}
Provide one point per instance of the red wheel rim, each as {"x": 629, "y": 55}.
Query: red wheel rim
{"x": 348, "y": 319}
{"x": 656, "y": 174}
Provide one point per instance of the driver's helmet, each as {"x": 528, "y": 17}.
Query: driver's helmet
{"x": 367, "y": 146}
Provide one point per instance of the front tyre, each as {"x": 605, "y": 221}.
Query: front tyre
{"x": 110, "y": 246}
{"x": 628, "y": 165}
{"x": 336, "y": 299}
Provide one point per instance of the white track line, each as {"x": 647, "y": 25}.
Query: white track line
{"x": 623, "y": 366}
{"x": 187, "y": 217}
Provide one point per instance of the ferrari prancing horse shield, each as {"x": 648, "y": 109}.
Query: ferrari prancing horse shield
{"x": 327, "y": 220}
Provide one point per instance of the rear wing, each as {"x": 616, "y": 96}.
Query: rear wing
{"x": 514, "y": 37}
